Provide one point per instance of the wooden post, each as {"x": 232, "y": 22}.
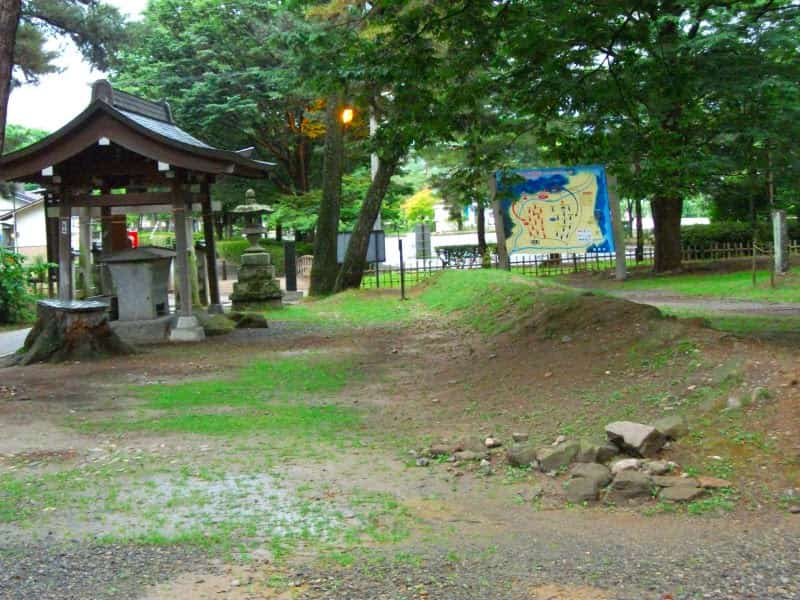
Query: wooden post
{"x": 51, "y": 231}
{"x": 182, "y": 282}
{"x": 616, "y": 222}
{"x": 86, "y": 251}
{"x": 215, "y": 304}
{"x": 64, "y": 245}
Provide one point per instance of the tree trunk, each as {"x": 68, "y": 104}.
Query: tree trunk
{"x": 667, "y": 229}
{"x": 278, "y": 232}
{"x": 480, "y": 218}
{"x": 355, "y": 261}
{"x": 639, "y": 232}
{"x": 9, "y": 20}
{"x": 324, "y": 268}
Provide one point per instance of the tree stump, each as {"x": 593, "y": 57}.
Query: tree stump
{"x": 71, "y": 330}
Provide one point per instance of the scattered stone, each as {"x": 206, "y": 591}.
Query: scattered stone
{"x": 628, "y": 485}
{"x": 712, "y": 482}
{"x": 485, "y": 463}
{"x": 606, "y": 451}
{"x": 469, "y": 455}
{"x": 795, "y": 510}
{"x": 658, "y": 467}
{"x": 566, "y": 339}
{"x": 626, "y": 464}
{"x": 519, "y": 437}
{"x": 639, "y": 439}
{"x": 674, "y": 480}
{"x": 491, "y": 442}
{"x": 680, "y": 493}
{"x": 423, "y": 462}
{"x": 521, "y": 455}
{"x": 733, "y": 403}
{"x": 600, "y": 474}
{"x": 261, "y": 555}
{"x": 560, "y": 440}
{"x": 581, "y": 489}
{"x": 438, "y": 450}
{"x": 587, "y": 452}
{"x": 673, "y": 427}
{"x": 556, "y": 457}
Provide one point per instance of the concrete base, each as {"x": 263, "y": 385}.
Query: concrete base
{"x": 292, "y": 297}
{"x": 187, "y": 329}
{"x": 150, "y": 331}
{"x": 215, "y": 309}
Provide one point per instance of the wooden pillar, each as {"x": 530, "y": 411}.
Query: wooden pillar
{"x": 64, "y": 245}
{"x": 51, "y": 232}
{"x": 86, "y": 251}
{"x": 183, "y": 284}
{"x": 215, "y": 304}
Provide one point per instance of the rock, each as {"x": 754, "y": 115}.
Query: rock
{"x": 423, "y": 462}
{"x": 795, "y": 510}
{"x": 600, "y": 474}
{"x": 606, "y": 451}
{"x": 657, "y": 467}
{"x": 438, "y": 450}
{"x": 712, "y": 482}
{"x": 581, "y": 489}
{"x": 639, "y": 439}
{"x": 261, "y": 555}
{"x": 559, "y": 440}
{"x": 733, "y": 403}
{"x": 469, "y": 455}
{"x": 680, "y": 493}
{"x": 759, "y": 393}
{"x": 519, "y": 437}
{"x": 249, "y": 320}
{"x": 673, "y": 427}
{"x": 674, "y": 480}
{"x": 485, "y": 463}
{"x": 626, "y": 464}
{"x": 491, "y": 442}
{"x": 587, "y": 453}
{"x": 521, "y": 455}
{"x": 556, "y": 457}
{"x": 629, "y": 484}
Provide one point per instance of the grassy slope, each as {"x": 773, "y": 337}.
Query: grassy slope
{"x": 736, "y": 285}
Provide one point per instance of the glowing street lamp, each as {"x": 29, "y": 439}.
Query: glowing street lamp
{"x": 347, "y": 115}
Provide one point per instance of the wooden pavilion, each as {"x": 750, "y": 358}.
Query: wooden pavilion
{"x": 124, "y": 152}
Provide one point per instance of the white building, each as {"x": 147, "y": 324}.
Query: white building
{"x": 444, "y": 222}
{"x": 25, "y": 214}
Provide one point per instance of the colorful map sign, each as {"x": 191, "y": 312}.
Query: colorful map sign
{"x": 564, "y": 209}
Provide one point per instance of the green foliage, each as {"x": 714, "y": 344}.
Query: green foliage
{"x": 419, "y": 207}
{"x": 15, "y": 299}
{"x": 19, "y": 136}
{"x": 731, "y": 232}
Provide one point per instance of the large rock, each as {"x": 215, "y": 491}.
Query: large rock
{"x": 581, "y": 489}
{"x": 636, "y": 438}
{"x": 673, "y": 481}
{"x": 626, "y": 464}
{"x": 606, "y": 451}
{"x": 587, "y": 452}
{"x": 521, "y": 455}
{"x": 680, "y": 493}
{"x": 629, "y": 485}
{"x": 600, "y": 474}
{"x": 673, "y": 427}
{"x": 553, "y": 458}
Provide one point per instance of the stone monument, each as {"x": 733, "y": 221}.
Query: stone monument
{"x": 256, "y": 288}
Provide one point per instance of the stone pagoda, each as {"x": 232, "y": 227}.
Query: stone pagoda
{"x": 256, "y": 288}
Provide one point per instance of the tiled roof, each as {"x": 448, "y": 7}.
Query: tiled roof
{"x": 169, "y": 130}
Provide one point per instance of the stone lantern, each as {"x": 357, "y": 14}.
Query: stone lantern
{"x": 256, "y": 288}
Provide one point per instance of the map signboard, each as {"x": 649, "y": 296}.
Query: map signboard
{"x": 551, "y": 210}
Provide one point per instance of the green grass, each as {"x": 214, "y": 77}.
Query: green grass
{"x": 745, "y": 325}
{"x": 736, "y": 285}
{"x": 487, "y": 300}
{"x": 348, "y": 309}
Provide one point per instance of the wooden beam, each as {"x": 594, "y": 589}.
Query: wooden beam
{"x": 133, "y": 199}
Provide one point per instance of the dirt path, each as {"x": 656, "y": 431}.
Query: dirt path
{"x": 445, "y": 530}
{"x": 665, "y": 299}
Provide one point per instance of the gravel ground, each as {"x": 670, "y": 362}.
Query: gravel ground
{"x": 761, "y": 566}
{"x": 79, "y": 572}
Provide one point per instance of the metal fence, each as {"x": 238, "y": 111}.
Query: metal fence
{"x": 545, "y": 265}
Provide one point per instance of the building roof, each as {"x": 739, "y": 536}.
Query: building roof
{"x": 23, "y": 199}
{"x": 146, "y": 127}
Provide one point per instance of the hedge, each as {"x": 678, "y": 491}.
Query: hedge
{"x": 730, "y": 232}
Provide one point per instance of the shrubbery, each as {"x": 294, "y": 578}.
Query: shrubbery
{"x": 730, "y": 232}
{"x": 232, "y": 250}
{"x": 15, "y": 299}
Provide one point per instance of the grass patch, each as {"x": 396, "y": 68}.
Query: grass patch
{"x": 488, "y": 300}
{"x": 349, "y": 309}
{"x": 744, "y": 325}
{"x": 737, "y": 285}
